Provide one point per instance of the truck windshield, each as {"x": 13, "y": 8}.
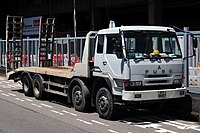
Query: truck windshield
{"x": 151, "y": 44}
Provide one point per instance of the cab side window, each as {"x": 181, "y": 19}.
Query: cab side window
{"x": 100, "y": 44}
{"x": 114, "y": 45}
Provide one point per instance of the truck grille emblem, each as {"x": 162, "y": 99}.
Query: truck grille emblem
{"x": 159, "y": 67}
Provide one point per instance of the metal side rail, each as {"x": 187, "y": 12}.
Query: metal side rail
{"x": 55, "y": 84}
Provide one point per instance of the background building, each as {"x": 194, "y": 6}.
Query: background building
{"x": 96, "y": 14}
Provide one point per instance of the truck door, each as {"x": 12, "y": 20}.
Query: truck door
{"x": 113, "y": 56}
{"x": 98, "y": 58}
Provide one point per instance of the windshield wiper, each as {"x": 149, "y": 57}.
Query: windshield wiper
{"x": 168, "y": 58}
{"x": 138, "y": 59}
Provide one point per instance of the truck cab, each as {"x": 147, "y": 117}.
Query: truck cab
{"x": 141, "y": 63}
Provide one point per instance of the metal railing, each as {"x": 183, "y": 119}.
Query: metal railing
{"x": 64, "y": 53}
{"x": 65, "y": 48}
{"x": 192, "y": 61}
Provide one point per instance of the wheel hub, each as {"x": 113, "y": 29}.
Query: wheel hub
{"x": 103, "y": 103}
{"x": 78, "y": 97}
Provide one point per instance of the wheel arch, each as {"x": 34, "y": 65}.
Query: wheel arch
{"x": 38, "y": 75}
{"x": 98, "y": 83}
{"x": 28, "y": 74}
{"x": 41, "y": 78}
{"x": 80, "y": 82}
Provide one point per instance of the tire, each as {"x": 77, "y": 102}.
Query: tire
{"x": 104, "y": 104}
{"x": 79, "y": 100}
{"x": 38, "y": 88}
{"x": 27, "y": 86}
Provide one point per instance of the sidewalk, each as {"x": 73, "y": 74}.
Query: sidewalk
{"x": 194, "y": 89}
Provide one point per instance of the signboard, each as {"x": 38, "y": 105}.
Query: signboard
{"x": 31, "y": 25}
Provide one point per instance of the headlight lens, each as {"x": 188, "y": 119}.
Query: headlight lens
{"x": 177, "y": 81}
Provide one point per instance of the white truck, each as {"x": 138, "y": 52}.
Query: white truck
{"x": 132, "y": 65}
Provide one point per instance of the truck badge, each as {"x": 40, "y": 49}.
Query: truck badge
{"x": 159, "y": 67}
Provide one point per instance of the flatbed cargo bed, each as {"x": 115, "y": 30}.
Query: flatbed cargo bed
{"x": 61, "y": 71}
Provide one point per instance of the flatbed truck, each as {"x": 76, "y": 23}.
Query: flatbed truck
{"x": 132, "y": 65}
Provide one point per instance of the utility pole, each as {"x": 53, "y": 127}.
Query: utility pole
{"x": 186, "y": 78}
{"x": 74, "y": 18}
{"x": 93, "y": 11}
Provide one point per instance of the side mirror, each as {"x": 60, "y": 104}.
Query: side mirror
{"x": 194, "y": 42}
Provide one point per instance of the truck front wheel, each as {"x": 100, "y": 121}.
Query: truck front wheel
{"x": 38, "y": 88}
{"x": 104, "y": 104}
{"x": 79, "y": 100}
{"x": 27, "y": 86}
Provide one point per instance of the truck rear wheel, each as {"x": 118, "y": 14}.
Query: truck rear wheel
{"x": 38, "y": 88}
{"x": 79, "y": 100}
{"x": 27, "y": 86}
{"x": 104, "y": 104}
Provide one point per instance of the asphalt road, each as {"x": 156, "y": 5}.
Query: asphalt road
{"x": 21, "y": 114}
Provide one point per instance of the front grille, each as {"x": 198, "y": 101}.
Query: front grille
{"x": 157, "y": 81}
{"x": 160, "y": 87}
{"x": 157, "y": 76}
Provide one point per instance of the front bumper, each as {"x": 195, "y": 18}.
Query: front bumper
{"x": 148, "y": 95}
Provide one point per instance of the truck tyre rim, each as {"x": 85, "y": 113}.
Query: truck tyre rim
{"x": 103, "y": 103}
{"x": 36, "y": 88}
{"x": 78, "y": 97}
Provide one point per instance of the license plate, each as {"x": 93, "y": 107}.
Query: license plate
{"x": 161, "y": 94}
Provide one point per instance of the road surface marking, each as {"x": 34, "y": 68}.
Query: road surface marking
{"x": 5, "y": 82}
{"x": 112, "y": 131}
{"x": 100, "y": 123}
{"x": 183, "y": 126}
{"x": 19, "y": 99}
{"x": 155, "y": 126}
{"x": 57, "y": 112}
{"x": 138, "y": 122}
{"x": 48, "y": 106}
{"x": 151, "y": 125}
{"x": 162, "y": 130}
{"x": 36, "y": 105}
{"x": 64, "y": 111}
{"x": 28, "y": 100}
{"x": 84, "y": 121}
{"x": 5, "y": 87}
{"x": 10, "y": 85}
{"x": 176, "y": 124}
{"x": 4, "y": 94}
{"x": 12, "y": 94}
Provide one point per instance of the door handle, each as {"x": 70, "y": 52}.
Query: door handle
{"x": 104, "y": 63}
